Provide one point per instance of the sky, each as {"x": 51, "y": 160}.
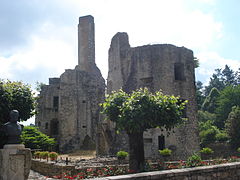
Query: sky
{"x": 38, "y": 38}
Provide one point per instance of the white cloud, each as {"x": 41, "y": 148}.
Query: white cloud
{"x": 209, "y": 61}
{"x": 53, "y": 46}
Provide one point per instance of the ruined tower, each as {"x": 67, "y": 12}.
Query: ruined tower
{"x": 86, "y": 42}
{"x": 69, "y": 106}
{"x": 158, "y": 67}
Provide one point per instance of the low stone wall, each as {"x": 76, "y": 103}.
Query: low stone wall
{"x": 229, "y": 171}
{"x": 50, "y": 169}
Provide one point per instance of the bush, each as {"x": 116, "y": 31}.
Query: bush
{"x": 165, "y": 152}
{"x": 122, "y": 154}
{"x": 206, "y": 151}
{"x": 44, "y": 154}
{"x": 194, "y": 160}
{"x": 53, "y": 155}
{"x": 208, "y": 136}
{"x": 222, "y": 137}
{"x": 32, "y": 138}
{"x": 233, "y": 126}
{"x": 37, "y": 154}
{"x": 238, "y": 149}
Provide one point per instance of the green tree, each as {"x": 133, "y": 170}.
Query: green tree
{"x": 199, "y": 94}
{"x": 233, "y": 126}
{"x": 228, "y": 98}
{"x": 207, "y": 133}
{"x": 32, "y": 138}
{"x": 210, "y": 102}
{"x": 215, "y": 81}
{"x": 228, "y": 77}
{"x": 139, "y": 111}
{"x": 16, "y": 95}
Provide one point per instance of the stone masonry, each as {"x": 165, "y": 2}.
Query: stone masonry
{"x": 158, "y": 67}
{"x": 68, "y": 108}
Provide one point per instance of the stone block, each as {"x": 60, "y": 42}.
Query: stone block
{"x": 15, "y": 162}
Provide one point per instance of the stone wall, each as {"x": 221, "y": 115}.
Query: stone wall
{"x": 158, "y": 67}
{"x": 230, "y": 171}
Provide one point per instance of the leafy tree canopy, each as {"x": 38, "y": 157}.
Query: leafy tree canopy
{"x": 16, "y": 95}
{"x": 222, "y": 78}
{"x": 141, "y": 110}
{"x": 233, "y": 126}
{"x": 199, "y": 94}
{"x": 228, "y": 98}
{"x": 210, "y": 102}
{"x": 32, "y": 138}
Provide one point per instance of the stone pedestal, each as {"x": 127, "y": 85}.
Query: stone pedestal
{"x": 15, "y": 162}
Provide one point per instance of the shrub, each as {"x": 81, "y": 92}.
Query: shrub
{"x": 233, "y": 126}
{"x": 165, "y": 152}
{"x": 122, "y": 154}
{"x": 37, "y": 154}
{"x": 44, "y": 154}
{"x": 53, "y": 155}
{"x": 206, "y": 151}
{"x": 194, "y": 160}
{"x": 238, "y": 149}
{"x": 222, "y": 137}
{"x": 32, "y": 138}
{"x": 208, "y": 136}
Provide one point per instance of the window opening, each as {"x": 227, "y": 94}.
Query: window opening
{"x": 179, "y": 71}
{"x": 161, "y": 142}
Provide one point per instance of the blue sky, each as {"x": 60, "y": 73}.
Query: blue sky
{"x": 38, "y": 38}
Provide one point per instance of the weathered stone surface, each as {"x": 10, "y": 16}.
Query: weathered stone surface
{"x": 158, "y": 67}
{"x": 15, "y": 162}
{"x": 69, "y": 105}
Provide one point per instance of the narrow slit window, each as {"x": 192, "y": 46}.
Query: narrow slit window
{"x": 55, "y": 103}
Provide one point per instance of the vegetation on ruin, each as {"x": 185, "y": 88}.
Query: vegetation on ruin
{"x": 16, "y": 95}
{"x": 32, "y": 138}
{"x": 141, "y": 110}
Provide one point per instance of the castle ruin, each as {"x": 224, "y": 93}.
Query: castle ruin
{"x": 68, "y": 108}
{"x": 69, "y": 105}
{"x": 162, "y": 67}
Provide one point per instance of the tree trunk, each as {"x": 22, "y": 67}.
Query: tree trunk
{"x": 136, "y": 154}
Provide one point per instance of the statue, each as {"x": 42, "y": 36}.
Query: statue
{"x": 11, "y": 131}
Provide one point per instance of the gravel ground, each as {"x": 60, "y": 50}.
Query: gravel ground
{"x": 36, "y": 176}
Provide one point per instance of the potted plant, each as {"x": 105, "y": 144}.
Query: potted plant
{"x": 165, "y": 153}
{"x": 53, "y": 156}
{"x": 206, "y": 153}
{"x": 44, "y": 154}
{"x": 37, "y": 154}
{"x": 121, "y": 155}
